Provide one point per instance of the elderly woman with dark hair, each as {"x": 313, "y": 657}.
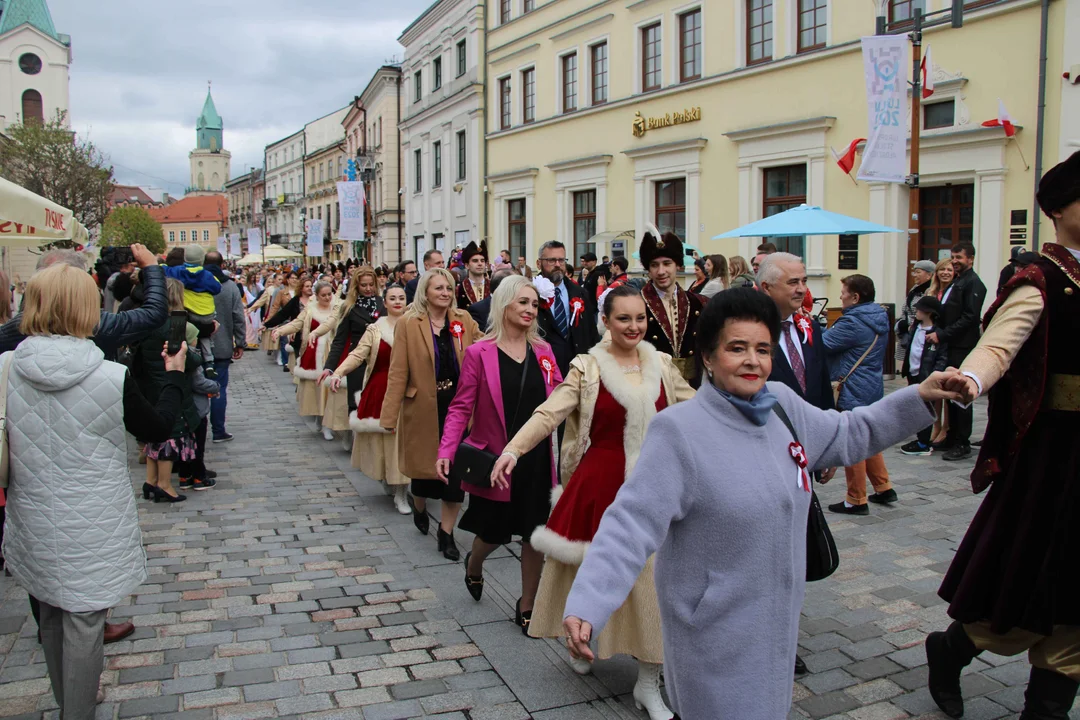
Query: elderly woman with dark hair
{"x": 730, "y": 537}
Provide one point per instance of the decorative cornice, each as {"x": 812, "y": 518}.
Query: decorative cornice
{"x": 516, "y": 174}
{"x": 580, "y": 162}
{"x": 668, "y": 147}
{"x": 522, "y": 51}
{"x": 822, "y": 123}
{"x": 595, "y": 21}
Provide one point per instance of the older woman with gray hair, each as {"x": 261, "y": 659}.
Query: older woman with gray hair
{"x": 312, "y": 352}
{"x": 730, "y": 537}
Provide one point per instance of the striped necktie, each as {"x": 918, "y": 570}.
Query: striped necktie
{"x": 559, "y": 312}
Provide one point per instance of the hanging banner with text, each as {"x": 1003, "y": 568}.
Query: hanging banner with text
{"x": 885, "y": 67}
{"x": 351, "y": 205}
{"x": 254, "y": 237}
{"x": 234, "y": 244}
{"x": 223, "y": 245}
{"x": 315, "y": 238}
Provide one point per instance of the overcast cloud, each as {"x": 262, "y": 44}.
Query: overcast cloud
{"x": 138, "y": 78}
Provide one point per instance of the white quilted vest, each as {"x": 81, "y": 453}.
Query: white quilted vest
{"x": 72, "y": 537}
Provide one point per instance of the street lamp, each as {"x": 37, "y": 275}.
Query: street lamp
{"x": 365, "y": 165}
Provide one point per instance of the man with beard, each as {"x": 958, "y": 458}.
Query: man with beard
{"x": 672, "y": 313}
{"x": 474, "y": 287}
{"x": 565, "y": 320}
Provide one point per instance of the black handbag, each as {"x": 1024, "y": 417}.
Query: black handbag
{"x": 471, "y": 464}
{"x": 822, "y": 557}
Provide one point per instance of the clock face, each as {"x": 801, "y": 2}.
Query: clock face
{"x": 30, "y": 64}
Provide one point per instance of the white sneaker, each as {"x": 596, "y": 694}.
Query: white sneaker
{"x": 401, "y": 499}
{"x": 580, "y": 665}
{"x": 327, "y": 433}
{"x": 647, "y": 692}
{"x": 279, "y": 363}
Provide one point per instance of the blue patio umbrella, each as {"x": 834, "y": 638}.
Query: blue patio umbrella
{"x": 807, "y": 220}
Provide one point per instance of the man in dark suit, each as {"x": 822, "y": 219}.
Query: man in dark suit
{"x": 568, "y": 324}
{"x": 432, "y": 259}
{"x": 961, "y": 317}
{"x": 800, "y": 362}
{"x": 480, "y": 309}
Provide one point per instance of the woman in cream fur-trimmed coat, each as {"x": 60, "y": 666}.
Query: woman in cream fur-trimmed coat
{"x": 606, "y": 411}
{"x": 310, "y": 396}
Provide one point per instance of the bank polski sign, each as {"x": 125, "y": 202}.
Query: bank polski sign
{"x": 885, "y": 69}
{"x": 643, "y": 124}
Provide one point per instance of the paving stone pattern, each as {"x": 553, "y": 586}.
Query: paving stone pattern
{"x": 293, "y": 590}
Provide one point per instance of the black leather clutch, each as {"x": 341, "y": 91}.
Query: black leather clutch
{"x": 472, "y": 465}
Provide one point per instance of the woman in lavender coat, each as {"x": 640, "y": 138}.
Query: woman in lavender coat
{"x": 730, "y": 537}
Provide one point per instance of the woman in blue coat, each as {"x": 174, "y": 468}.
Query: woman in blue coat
{"x": 856, "y": 345}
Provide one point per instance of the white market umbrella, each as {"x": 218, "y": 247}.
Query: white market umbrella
{"x": 29, "y": 220}
{"x": 277, "y": 252}
{"x": 251, "y": 259}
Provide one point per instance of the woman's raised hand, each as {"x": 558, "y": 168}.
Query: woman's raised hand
{"x": 500, "y": 474}
{"x": 442, "y": 469}
{"x": 578, "y": 634}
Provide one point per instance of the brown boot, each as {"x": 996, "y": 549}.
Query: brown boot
{"x": 118, "y": 631}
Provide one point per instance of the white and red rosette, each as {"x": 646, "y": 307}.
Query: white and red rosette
{"x": 548, "y": 366}
{"x": 577, "y": 308}
{"x": 799, "y": 455}
{"x": 457, "y": 329}
{"x": 375, "y": 315}
{"x": 545, "y": 289}
{"x": 803, "y": 323}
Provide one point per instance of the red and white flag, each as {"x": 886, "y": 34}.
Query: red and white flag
{"x": 1003, "y": 120}
{"x": 847, "y": 160}
{"x": 927, "y": 69}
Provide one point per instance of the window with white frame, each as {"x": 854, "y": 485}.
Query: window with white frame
{"x": 813, "y": 23}
{"x": 528, "y": 95}
{"x": 418, "y": 171}
{"x": 651, "y": 57}
{"x": 690, "y": 45}
{"x": 598, "y": 61}
{"x": 569, "y": 82}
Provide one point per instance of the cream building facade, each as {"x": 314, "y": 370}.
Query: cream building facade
{"x": 704, "y": 116}
{"x": 284, "y": 172}
{"x": 372, "y": 133}
{"x": 324, "y": 167}
{"x": 442, "y": 128}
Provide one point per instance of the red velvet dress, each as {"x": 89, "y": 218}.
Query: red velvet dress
{"x": 308, "y": 360}
{"x": 371, "y": 399}
{"x": 599, "y": 475}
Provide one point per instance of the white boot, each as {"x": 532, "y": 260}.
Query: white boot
{"x": 401, "y": 499}
{"x": 580, "y": 665}
{"x": 647, "y": 692}
{"x": 327, "y": 433}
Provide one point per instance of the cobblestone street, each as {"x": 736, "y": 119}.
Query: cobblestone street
{"x": 293, "y": 589}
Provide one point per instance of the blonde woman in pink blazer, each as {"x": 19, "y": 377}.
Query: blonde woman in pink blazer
{"x": 493, "y": 394}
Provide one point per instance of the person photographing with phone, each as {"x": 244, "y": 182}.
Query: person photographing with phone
{"x": 72, "y": 538}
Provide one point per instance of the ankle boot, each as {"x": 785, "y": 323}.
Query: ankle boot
{"x": 947, "y": 654}
{"x": 1049, "y": 695}
{"x": 647, "y": 692}
{"x": 420, "y": 519}
{"x": 447, "y": 546}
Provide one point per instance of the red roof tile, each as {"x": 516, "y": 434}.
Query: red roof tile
{"x": 201, "y": 208}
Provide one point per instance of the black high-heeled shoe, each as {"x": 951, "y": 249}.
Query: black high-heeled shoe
{"x": 447, "y": 546}
{"x": 147, "y": 490}
{"x": 473, "y": 583}
{"x": 522, "y": 618}
{"x": 162, "y": 496}
{"x": 420, "y": 520}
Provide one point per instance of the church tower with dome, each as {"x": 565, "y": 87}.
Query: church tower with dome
{"x": 34, "y": 61}
{"x": 209, "y": 160}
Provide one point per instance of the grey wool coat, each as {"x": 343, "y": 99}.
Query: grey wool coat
{"x": 718, "y": 500}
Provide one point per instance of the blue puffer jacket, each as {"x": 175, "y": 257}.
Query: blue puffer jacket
{"x": 846, "y": 341}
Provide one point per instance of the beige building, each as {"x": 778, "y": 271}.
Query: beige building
{"x": 702, "y": 117}
{"x": 324, "y": 167}
{"x": 198, "y": 219}
{"x": 373, "y": 138}
{"x": 245, "y": 202}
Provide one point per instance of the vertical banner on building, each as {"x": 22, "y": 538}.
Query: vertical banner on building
{"x": 315, "y": 238}
{"x": 885, "y": 68}
{"x": 234, "y": 245}
{"x": 223, "y": 245}
{"x": 351, "y": 206}
{"x": 254, "y": 237}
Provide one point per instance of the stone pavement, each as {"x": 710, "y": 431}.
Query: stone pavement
{"x": 293, "y": 589}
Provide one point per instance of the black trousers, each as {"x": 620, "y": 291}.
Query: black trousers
{"x": 925, "y": 434}
{"x": 960, "y": 419}
{"x": 195, "y": 469}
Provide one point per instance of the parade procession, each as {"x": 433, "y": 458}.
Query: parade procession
{"x": 553, "y": 359}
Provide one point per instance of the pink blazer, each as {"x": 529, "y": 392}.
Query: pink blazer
{"x": 479, "y": 398}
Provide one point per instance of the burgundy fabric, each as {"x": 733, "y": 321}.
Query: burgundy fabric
{"x": 371, "y": 397}
{"x": 308, "y": 359}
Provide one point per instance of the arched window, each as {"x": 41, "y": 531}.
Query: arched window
{"x": 215, "y": 181}
{"x": 202, "y": 182}
{"x": 32, "y": 109}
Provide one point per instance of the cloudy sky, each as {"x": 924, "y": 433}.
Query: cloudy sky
{"x": 138, "y": 79}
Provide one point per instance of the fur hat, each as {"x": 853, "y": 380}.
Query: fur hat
{"x": 194, "y": 254}
{"x": 1060, "y": 185}
{"x": 656, "y": 245}
{"x": 471, "y": 249}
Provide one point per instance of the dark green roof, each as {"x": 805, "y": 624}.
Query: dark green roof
{"x": 21, "y": 12}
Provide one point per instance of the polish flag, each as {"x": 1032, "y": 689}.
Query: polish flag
{"x": 1003, "y": 120}
{"x": 927, "y": 69}
{"x": 847, "y": 160}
